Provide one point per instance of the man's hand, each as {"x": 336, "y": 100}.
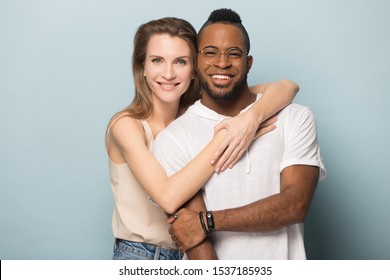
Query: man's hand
{"x": 186, "y": 230}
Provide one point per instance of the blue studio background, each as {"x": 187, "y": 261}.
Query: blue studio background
{"x": 65, "y": 70}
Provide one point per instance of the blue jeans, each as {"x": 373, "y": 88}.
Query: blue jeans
{"x": 129, "y": 250}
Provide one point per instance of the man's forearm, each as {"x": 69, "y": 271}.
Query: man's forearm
{"x": 263, "y": 215}
{"x": 288, "y": 207}
{"x": 205, "y": 250}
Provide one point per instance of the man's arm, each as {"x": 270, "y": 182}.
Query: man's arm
{"x": 290, "y": 206}
{"x": 202, "y": 248}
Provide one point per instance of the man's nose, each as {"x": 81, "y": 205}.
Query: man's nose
{"x": 223, "y": 61}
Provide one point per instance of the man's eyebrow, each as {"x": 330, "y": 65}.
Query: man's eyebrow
{"x": 211, "y": 47}
{"x": 214, "y": 47}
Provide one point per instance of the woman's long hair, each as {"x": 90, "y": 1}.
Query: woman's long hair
{"x": 142, "y": 107}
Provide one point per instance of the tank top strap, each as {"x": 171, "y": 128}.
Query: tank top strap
{"x": 148, "y": 133}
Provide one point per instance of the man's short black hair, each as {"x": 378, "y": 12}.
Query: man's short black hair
{"x": 224, "y": 15}
{"x": 227, "y": 16}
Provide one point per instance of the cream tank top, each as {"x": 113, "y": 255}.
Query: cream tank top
{"x": 136, "y": 217}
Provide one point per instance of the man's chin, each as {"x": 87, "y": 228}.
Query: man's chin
{"x": 219, "y": 92}
{"x": 221, "y": 95}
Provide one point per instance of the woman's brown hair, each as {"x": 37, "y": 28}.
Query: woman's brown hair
{"x": 142, "y": 107}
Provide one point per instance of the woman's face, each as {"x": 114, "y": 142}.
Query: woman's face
{"x": 168, "y": 67}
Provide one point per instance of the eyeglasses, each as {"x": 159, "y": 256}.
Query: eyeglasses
{"x": 211, "y": 56}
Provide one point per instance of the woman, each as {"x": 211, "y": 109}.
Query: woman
{"x": 164, "y": 63}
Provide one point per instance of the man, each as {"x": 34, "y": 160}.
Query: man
{"x": 259, "y": 205}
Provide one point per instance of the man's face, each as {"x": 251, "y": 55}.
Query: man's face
{"x": 225, "y": 78}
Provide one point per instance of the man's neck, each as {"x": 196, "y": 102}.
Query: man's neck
{"x": 229, "y": 107}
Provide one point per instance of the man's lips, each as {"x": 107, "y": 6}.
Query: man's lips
{"x": 220, "y": 79}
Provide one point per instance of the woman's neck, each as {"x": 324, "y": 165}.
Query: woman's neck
{"x": 162, "y": 116}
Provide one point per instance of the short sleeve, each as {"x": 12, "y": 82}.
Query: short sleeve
{"x": 301, "y": 143}
{"x": 170, "y": 153}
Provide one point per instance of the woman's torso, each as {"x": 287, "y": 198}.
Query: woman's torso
{"x": 136, "y": 217}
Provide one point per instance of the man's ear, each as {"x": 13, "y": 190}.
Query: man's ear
{"x": 249, "y": 63}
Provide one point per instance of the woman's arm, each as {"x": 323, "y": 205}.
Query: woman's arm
{"x": 276, "y": 96}
{"x": 126, "y": 137}
{"x": 246, "y": 127}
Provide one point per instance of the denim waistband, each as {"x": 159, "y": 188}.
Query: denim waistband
{"x": 129, "y": 250}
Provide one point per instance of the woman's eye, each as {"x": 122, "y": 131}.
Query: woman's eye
{"x": 156, "y": 60}
{"x": 182, "y": 62}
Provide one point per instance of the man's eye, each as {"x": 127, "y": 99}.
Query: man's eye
{"x": 235, "y": 54}
{"x": 210, "y": 53}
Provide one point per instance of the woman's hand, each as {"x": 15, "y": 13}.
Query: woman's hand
{"x": 242, "y": 130}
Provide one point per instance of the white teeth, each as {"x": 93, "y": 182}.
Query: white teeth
{"x": 222, "y": 77}
{"x": 168, "y": 85}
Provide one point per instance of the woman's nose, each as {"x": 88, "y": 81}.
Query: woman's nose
{"x": 169, "y": 72}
